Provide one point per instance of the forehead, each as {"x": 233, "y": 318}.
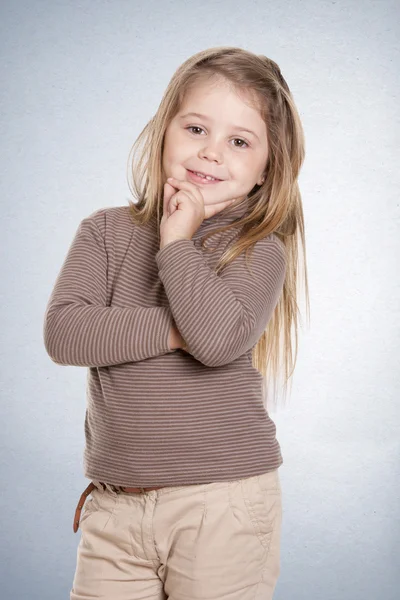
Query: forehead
{"x": 219, "y": 98}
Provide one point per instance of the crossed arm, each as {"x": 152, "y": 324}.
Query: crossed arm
{"x": 220, "y": 316}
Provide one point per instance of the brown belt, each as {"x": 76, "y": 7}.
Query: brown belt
{"x": 91, "y": 487}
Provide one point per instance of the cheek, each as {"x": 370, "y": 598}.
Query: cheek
{"x": 173, "y": 148}
{"x": 249, "y": 171}
{"x": 243, "y": 169}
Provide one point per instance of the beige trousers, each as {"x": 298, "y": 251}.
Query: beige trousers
{"x": 211, "y": 541}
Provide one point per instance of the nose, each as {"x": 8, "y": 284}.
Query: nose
{"x": 211, "y": 152}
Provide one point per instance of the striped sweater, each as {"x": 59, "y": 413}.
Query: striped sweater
{"x": 156, "y": 416}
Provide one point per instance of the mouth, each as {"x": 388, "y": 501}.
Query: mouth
{"x": 199, "y": 177}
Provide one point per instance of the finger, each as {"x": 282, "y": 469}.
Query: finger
{"x": 226, "y": 203}
{"x": 169, "y": 191}
{"x": 171, "y": 199}
{"x": 179, "y": 197}
{"x": 187, "y": 185}
{"x": 212, "y": 209}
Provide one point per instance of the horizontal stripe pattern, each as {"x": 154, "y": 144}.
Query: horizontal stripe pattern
{"x": 156, "y": 416}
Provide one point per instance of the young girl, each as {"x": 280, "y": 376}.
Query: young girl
{"x": 177, "y": 325}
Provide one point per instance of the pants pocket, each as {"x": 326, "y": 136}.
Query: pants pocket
{"x": 90, "y": 507}
{"x": 99, "y": 510}
{"x": 263, "y": 501}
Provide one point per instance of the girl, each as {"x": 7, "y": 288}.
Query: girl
{"x": 177, "y": 327}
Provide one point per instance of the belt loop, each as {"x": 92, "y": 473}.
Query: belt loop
{"x": 111, "y": 488}
{"x": 99, "y": 485}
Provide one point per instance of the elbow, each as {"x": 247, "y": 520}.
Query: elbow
{"x": 52, "y": 348}
{"x": 214, "y": 355}
{"x": 219, "y": 349}
{"x": 53, "y": 342}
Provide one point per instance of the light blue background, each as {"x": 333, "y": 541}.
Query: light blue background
{"x": 79, "y": 82}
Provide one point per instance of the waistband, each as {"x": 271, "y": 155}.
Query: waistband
{"x": 100, "y": 485}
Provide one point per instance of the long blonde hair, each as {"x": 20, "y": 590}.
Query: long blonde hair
{"x": 275, "y": 206}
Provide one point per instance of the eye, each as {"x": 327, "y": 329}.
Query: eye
{"x": 239, "y": 139}
{"x": 194, "y": 127}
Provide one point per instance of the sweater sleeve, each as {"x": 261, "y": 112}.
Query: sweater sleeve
{"x": 222, "y": 316}
{"x": 80, "y": 329}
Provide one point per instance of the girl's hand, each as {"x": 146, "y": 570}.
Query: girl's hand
{"x": 184, "y": 210}
{"x": 175, "y": 339}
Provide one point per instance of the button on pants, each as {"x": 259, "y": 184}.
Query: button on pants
{"x": 214, "y": 541}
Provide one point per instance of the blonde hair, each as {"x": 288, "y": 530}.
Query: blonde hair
{"x": 275, "y": 206}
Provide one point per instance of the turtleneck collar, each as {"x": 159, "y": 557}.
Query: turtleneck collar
{"x": 225, "y": 216}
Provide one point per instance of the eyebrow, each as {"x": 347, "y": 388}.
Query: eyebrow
{"x": 238, "y": 127}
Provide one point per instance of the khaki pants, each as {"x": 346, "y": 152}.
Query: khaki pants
{"x": 210, "y": 541}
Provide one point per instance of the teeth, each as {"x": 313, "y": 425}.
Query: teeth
{"x": 205, "y": 176}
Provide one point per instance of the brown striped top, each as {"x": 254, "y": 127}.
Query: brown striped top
{"x": 156, "y": 416}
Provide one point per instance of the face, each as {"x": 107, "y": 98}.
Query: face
{"x": 217, "y": 142}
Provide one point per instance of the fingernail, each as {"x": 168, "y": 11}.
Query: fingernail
{"x": 170, "y": 179}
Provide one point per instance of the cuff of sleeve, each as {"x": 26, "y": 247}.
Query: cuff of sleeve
{"x": 158, "y": 336}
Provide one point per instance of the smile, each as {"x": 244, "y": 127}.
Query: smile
{"x": 201, "y": 178}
